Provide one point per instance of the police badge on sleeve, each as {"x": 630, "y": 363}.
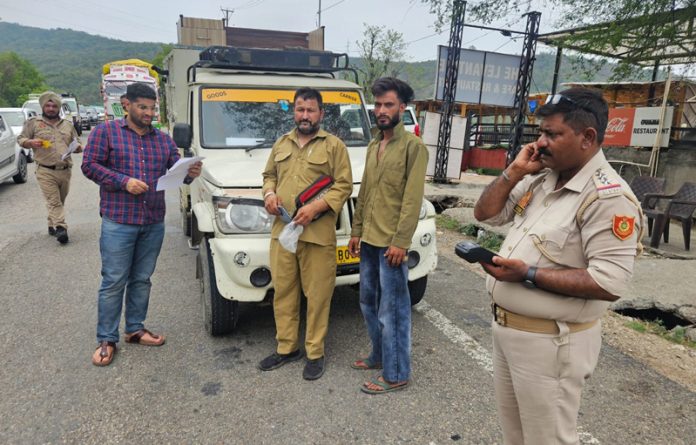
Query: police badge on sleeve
{"x": 623, "y": 226}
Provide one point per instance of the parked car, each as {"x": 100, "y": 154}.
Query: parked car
{"x": 408, "y": 118}
{"x": 93, "y": 115}
{"x": 100, "y": 113}
{"x": 13, "y": 161}
{"x": 15, "y": 118}
{"x": 85, "y": 122}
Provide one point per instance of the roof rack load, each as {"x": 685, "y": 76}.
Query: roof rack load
{"x": 281, "y": 60}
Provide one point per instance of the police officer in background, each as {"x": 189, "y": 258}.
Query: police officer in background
{"x": 575, "y": 233}
{"x": 50, "y": 136}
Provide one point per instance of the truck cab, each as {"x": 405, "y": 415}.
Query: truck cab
{"x": 230, "y": 105}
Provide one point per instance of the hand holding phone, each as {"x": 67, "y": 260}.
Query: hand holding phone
{"x": 473, "y": 253}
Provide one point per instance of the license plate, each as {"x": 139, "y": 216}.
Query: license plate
{"x": 343, "y": 256}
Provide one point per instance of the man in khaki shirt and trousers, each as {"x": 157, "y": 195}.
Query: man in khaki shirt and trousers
{"x": 297, "y": 159}
{"x": 49, "y": 136}
{"x": 386, "y": 216}
{"x": 576, "y": 230}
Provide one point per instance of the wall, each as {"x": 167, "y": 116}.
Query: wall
{"x": 677, "y": 165}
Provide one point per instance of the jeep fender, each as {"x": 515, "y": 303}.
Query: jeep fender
{"x": 204, "y": 218}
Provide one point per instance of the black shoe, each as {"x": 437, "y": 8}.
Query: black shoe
{"x": 313, "y": 369}
{"x": 276, "y": 360}
{"x": 52, "y": 231}
{"x": 62, "y": 235}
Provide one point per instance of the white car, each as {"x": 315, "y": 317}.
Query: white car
{"x": 13, "y": 161}
{"x": 409, "y": 119}
{"x": 15, "y": 118}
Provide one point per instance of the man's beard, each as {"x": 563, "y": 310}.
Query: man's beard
{"x": 393, "y": 122}
{"x": 51, "y": 116}
{"x": 313, "y": 128}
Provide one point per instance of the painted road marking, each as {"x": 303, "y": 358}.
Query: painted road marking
{"x": 475, "y": 351}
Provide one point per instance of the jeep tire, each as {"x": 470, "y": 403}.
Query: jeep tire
{"x": 416, "y": 289}
{"x": 219, "y": 314}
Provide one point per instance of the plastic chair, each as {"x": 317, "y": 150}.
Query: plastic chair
{"x": 642, "y": 185}
{"x": 680, "y": 207}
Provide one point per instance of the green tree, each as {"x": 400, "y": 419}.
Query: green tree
{"x": 159, "y": 58}
{"x": 379, "y": 51}
{"x": 18, "y": 78}
{"x": 648, "y": 26}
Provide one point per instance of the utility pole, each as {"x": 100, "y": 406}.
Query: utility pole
{"x": 227, "y": 12}
{"x": 449, "y": 91}
{"x": 319, "y": 15}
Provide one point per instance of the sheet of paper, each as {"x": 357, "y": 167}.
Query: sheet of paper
{"x": 71, "y": 148}
{"x": 175, "y": 176}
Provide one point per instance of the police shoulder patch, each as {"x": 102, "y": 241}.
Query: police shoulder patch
{"x": 607, "y": 183}
{"x": 623, "y": 226}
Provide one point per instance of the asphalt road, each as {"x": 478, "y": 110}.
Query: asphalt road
{"x": 198, "y": 389}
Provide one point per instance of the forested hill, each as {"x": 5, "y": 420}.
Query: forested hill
{"x": 72, "y": 61}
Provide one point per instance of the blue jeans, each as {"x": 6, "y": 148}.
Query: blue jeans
{"x": 129, "y": 254}
{"x": 386, "y": 306}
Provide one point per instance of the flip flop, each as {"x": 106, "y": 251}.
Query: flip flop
{"x": 104, "y": 358}
{"x": 139, "y": 338}
{"x": 386, "y": 387}
{"x": 364, "y": 364}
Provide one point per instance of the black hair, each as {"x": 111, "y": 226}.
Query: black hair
{"x": 140, "y": 90}
{"x": 583, "y": 108}
{"x": 402, "y": 89}
{"x": 307, "y": 93}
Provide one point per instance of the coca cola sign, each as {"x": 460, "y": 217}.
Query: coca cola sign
{"x": 637, "y": 127}
{"x": 617, "y": 125}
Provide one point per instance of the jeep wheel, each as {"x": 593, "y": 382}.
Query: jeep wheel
{"x": 219, "y": 314}
{"x": 22, "y": 171}
{"x": 416, "y": 289}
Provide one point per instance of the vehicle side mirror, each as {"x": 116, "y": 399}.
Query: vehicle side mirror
{"x": 182, "y": 137}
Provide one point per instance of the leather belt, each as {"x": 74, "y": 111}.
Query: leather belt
{"x": 530, "y": 324}
{"x": 55, "y": 167}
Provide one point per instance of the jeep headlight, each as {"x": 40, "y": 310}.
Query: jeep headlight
{"x": 426, "y": 210}
{"x": 241, "y": 215}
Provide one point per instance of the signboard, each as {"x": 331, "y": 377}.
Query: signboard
{"x": 456, "y": 149}
{"x": 483, "y": 77}
{"x": 637, "y": 127}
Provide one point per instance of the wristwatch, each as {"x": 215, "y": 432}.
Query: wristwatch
{"x": 530, "y": 278}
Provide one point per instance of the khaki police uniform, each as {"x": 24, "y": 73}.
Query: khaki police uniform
{"x": 52, "y": 173}
{"x": 547, "y": 344}
{"x": 312, "y": 269}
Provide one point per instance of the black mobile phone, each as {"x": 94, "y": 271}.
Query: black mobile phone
{"x": 473, "y": 253}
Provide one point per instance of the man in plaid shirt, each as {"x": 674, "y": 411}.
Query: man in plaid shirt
{"x": 126, "y": 157}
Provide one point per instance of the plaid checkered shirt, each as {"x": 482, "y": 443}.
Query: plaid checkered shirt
{"x": 114, "y": 154}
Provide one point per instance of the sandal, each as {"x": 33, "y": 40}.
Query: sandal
{"x": 103, "y": 356}
{"x": 365, "y": 363}
{"x": 145, "y": 337}
{"x": 384, "y": 386}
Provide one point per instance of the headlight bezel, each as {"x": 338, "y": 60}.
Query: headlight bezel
{"x": 236, "y": 215}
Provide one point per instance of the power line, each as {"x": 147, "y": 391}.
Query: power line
{"x": 331, "y": 6}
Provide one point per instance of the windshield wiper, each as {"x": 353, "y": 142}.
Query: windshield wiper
{"x": 252, "y": 147}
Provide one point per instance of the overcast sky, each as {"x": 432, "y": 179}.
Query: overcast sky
{"x": 155, "y": 20}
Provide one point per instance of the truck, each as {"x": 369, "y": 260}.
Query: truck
{"x": 117, "y": 75}
{"x": 229, "y": 105}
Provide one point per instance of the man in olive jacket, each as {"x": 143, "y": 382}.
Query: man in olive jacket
{"x": 386, "y": 215}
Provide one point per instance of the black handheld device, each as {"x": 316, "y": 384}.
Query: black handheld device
{"x": 473, "y": 253}
{"x": 188, "y": 179}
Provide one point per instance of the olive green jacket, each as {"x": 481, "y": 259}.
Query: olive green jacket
{"x": 391, "y": 191}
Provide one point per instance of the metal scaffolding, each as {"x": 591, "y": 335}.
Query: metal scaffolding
{"x": 449, "y": 91}
{"x": 524, "y": 80}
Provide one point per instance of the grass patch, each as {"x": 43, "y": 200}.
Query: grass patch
{"x": 446, "y": 222}
{"x": 676, "y": 335}
{"x": 489, "y": 240}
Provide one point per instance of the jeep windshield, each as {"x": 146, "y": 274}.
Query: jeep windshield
{"x": 256, "y": 118}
